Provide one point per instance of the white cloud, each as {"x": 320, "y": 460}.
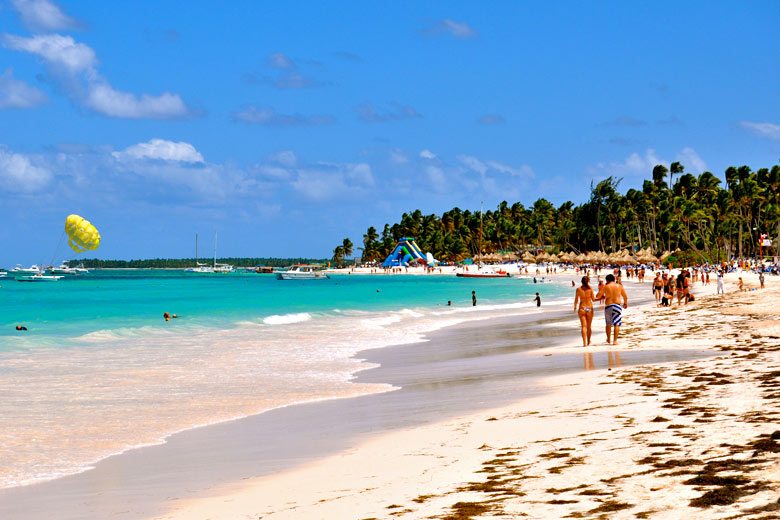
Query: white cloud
{"x": 331, "y": 181}
{"x": 523, "y": 171}
{"x": 453, "y": 28}
{"x": 768, "y": 130}
{"x": 43, "y": 15}
{"x": 285, "y": 158}
{"x": 269, "y": 116}
{"x": 473, "y": 163}
{"x": 102, "y": 98}
{"x": 437, "y": 178}
{"x": 18, "y": 94}
{"x": 19, "y": 174}
{"x": 279, "y": 60}
{"x": 160, "y": 149}
{"x": 57, "y": 50}
{"x": 427, "y": 154}
{"x": 86, "y": 86}
{"x": 360, "y": 173}
{"x": 398, "y": 156}
{"x": 634, "y": 164}
{"x": 691, "y": 160}
{"x": 396, "y": 112}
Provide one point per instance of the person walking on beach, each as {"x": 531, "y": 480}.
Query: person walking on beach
{"x": 761, "y": 279}
{"x": 658, "y": 287}
{"x": 720, "y": 282}
{"x": 612, "y": 293}
{"x": 473, "y": 299}
{"x": 583, "y": 306}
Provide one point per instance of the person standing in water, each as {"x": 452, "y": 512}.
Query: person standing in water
{"x": 473, "y": 299}
{"x": 583, "y": 306}
{"x": 538, "y": 300}
{"x": 612, "y": 293}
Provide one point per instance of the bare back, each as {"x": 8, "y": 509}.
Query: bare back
{"x": 612, "y": 294}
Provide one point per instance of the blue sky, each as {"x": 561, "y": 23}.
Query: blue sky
{"x": 287, "y": 126}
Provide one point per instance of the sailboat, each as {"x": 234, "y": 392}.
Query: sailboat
{"x": 480, "y": 273}
{"x": 209, "y": 269}
{"x": 200, "y": 268}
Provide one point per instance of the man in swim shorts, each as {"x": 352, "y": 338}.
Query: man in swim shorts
{"x": 612, "y": 293}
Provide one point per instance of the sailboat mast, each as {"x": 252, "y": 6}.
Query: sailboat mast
{"x": 215, "y": 249}
{"x": 196, "y": 250}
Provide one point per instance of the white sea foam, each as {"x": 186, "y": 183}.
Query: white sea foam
{"x": 283, "y": 319}
{"x": 134, "y": 387}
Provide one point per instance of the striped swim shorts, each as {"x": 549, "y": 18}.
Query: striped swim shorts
{"x": 613, "y": 313}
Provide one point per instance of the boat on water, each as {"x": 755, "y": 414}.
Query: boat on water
{"x": 484, "y": 274}
{"x": 216, "y": 268}
{"x": 303, "y": 272}
{"x": 64, "y": 269}
{"x": 3, "y": 274}
{"x": 480, "y": 272}
{"x": 40, "y": 277}
{"x": 33, "y": 269}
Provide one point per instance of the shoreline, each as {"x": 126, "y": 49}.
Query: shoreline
{"x": 225, "y": 428}
{"x": 513, "y": 460}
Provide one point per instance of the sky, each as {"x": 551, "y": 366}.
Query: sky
{"x": 286, "y": 127}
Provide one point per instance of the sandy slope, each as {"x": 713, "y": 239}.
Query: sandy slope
{"x": 697, "y": 439}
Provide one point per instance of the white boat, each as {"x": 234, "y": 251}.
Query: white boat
{"x": 209, "y": 269}
{"x": 303, "y": 272}
{"x": 33, "y": 269}
{"x": 38, "y": 278}
{"x": 64, "y": 269}
{"x": 3, "y": 274}
{"x": 80, "y": 269}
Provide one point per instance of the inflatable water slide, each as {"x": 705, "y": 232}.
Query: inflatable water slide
{"x": 405, "y": 253}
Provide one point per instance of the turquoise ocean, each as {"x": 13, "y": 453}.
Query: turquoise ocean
{"x": 99, "y": 370}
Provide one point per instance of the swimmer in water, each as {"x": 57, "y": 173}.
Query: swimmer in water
{"x": 166, "y": 316}
{"x": 21, "y": 327}
{"x": 583, "y": 306}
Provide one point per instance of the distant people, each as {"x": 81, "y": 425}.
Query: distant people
{"x": 166, "y": 316}
{"x": 741, "y": 284}
{"x": 761, "y": 279}
{"x": 473, "y": 299}
{"x": 720, "y": 282}
{"x": 21, "y": 327}
{"x": 612, "y": 293}
{"x": 449, "y": 303}
{"x": 534, "y": 279}
{"x": 583, "y": 306}
{"x": 538, "y": 300}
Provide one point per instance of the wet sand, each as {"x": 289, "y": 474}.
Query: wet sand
{"x": 460, "y": 370}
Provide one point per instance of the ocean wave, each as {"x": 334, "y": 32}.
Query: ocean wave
{"x": 284, "y": 319}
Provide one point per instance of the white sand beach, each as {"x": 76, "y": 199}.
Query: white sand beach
{"x": 696, "y": 439}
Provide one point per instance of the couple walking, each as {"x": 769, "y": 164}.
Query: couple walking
{"x": 611, "y": 293}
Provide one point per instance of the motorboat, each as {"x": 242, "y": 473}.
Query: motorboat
{"x": 33, "y": 269}
{"x": 303, "y": 272}
{"x": 64, "y": 269}
{"x": 40, "y": 277}
{"x": 3, "y": 274}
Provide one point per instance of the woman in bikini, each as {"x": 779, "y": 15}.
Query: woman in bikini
{"x": 583, "y": 306}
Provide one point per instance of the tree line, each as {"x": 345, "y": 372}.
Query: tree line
{"x": 699, "y": 214}
{"x": 182, "y": 263}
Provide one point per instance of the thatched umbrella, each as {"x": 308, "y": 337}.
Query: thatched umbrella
{"x": 581, "y": 258}
{"x": 555, "y": 258}
{"x": 529, "y": 258}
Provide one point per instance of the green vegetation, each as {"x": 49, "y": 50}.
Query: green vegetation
{"x": 688, "y": 212}
{"x": 182, "y": 263}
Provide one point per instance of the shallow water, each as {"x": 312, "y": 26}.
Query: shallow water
{"x": 100, "y": 371}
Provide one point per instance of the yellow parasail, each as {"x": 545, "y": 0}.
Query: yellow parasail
{"x": 81, "y": 234}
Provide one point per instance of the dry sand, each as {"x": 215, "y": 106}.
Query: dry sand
{"x": 696, "y": 439}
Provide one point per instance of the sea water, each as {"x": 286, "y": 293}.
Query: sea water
{"x": 99, "y": 370}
